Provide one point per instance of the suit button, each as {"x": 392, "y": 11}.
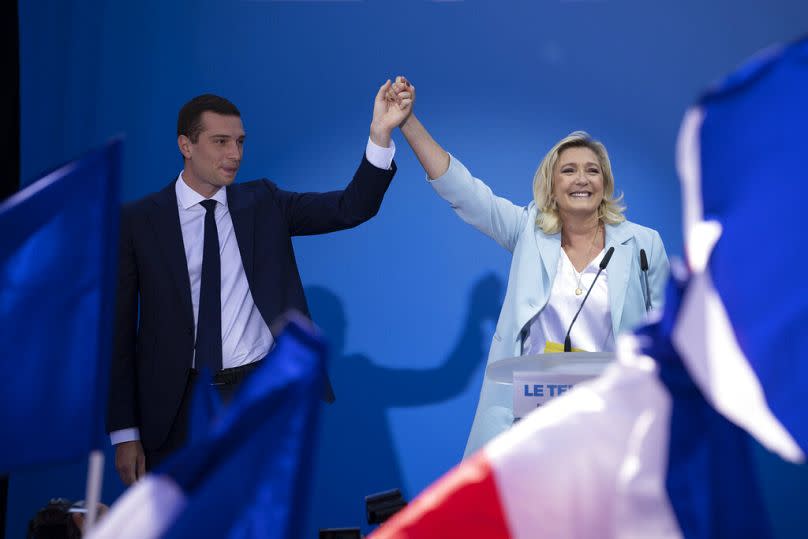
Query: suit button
{"x": 190, "y": 332}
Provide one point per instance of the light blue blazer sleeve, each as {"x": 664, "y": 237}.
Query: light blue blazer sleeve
{"x": 476, "y": 204}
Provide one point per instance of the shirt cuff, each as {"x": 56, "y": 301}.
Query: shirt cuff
{"x": 124, "y": 435}
{"x": 379, "y": 156}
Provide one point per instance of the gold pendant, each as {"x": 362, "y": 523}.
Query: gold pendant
{"x": 578, "y": 291}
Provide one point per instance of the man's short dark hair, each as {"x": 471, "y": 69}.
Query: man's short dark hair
{"x": 54, "y": 521}
{"x": 189, "y": 121}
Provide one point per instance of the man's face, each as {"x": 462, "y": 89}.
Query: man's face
{"x": 213, "y": 160}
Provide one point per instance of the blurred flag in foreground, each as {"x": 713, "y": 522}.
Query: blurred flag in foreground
{"x": 659, "y": 446}
{"x": 248, "y": 476}
{"x": 57, "y": 284}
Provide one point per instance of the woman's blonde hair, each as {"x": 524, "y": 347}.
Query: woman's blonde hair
{"x": 610, "y": 210}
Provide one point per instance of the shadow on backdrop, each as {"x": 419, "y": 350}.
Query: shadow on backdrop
{"x": 356, "y": 455}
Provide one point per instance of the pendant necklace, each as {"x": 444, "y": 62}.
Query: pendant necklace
{"x": 578, "y": 289}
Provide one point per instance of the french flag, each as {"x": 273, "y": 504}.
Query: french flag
{"x": 659, "y": 445}
{"x": 245, "y": 472}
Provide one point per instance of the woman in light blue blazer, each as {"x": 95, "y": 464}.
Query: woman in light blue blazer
{"x": 557, "y": 242}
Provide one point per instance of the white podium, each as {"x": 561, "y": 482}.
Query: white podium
{"x": 539, "y": 378}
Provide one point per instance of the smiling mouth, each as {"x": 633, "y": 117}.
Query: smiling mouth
{"x": 581, "y": 194}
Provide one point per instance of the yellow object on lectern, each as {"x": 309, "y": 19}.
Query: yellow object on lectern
{"x": 551, "y": 347}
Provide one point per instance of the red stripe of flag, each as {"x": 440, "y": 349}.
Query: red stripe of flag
{"x": 463, "y": 503}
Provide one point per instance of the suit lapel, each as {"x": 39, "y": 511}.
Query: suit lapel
{"x": 165, "y": 220}
{"x": 240, "y": 203}
{"x": 535, "y": 291}
{"x": 618, "y": 236}
{"x": 550, "y": 248}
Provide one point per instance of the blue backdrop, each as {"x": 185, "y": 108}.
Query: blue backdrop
{"x": 408, "y": 300}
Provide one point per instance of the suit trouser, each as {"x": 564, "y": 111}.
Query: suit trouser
{"x": 226, "y": 381}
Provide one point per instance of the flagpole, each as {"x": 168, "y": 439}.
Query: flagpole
{"x": 95, "y": 474}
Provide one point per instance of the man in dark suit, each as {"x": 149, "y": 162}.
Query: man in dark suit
{"x": 206, "y": 265}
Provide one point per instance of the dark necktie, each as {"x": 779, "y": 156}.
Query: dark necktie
{"x": 209, "y": 320}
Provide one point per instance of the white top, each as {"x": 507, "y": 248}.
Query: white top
{"x": 593, "y": 330}
{"x": 245, "y": 335}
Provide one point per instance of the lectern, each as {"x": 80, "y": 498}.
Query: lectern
{"x": 539, "y": 378}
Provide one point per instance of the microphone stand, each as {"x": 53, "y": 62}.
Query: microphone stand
{"x": 603, "y": 264}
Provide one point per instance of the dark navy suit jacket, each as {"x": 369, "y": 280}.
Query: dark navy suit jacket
{"x": 154, "y": 332}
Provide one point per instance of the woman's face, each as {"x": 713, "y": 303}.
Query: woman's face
{"x": 578, "y": 182}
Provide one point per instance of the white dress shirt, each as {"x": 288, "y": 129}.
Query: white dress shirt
{"x": 245, "y": 334}
{"x": 593, "y": 330}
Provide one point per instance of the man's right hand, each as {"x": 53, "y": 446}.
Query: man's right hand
{"x": 130, "y": 461}
{"x": 388, "y": 114}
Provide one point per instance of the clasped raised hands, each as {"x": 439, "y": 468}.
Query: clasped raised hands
{"x": 391, "y": 108}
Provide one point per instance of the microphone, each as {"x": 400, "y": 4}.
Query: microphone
{"x": 603, "y": 263}
{"x": 647, "y": 290}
